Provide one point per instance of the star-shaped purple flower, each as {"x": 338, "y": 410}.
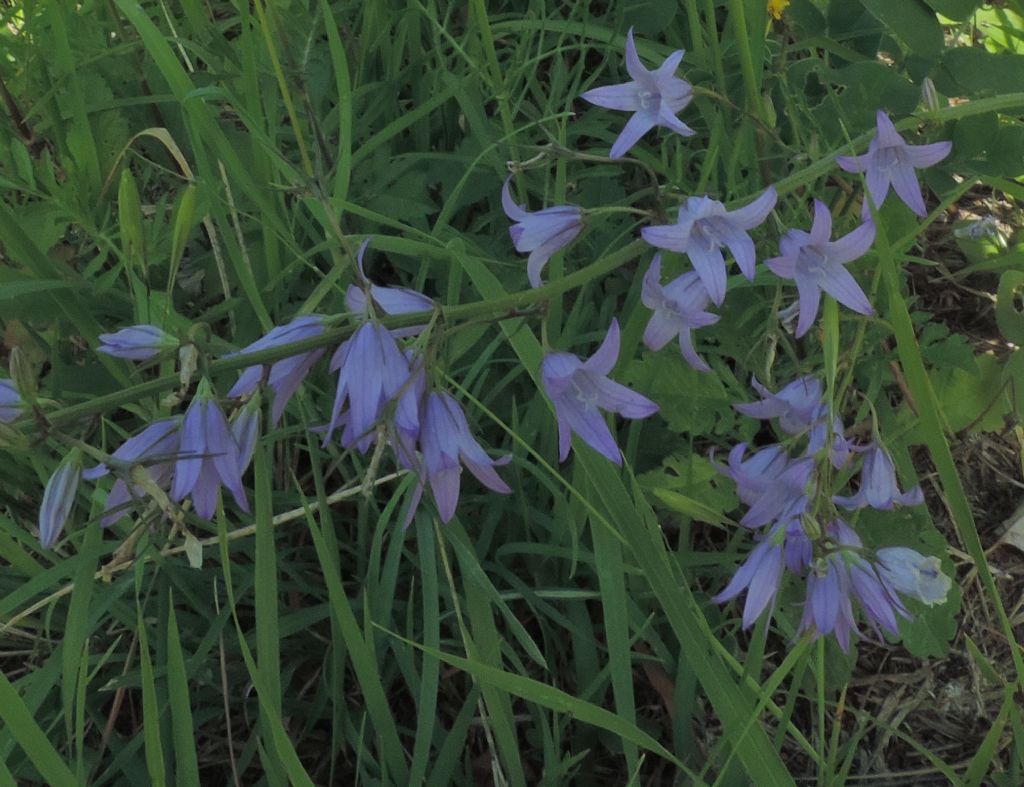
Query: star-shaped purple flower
{"x": 678, "y": 308}
{"x": 655, "y": 97}
{"x": 797, "y": 405}
{"x": 890, "y": 161}
{"x": 816, "y": 264}
{"x": 541, "y": 233}
{"x": 580, "y": 389}
{"x": 704, "y": 227}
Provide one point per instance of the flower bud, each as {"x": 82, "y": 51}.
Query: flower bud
{"x": 929, "y": 96}
{"x": 59, "y": 497}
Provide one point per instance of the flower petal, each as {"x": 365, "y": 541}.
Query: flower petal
{"x": 623, "y": 97}
{"x": 638, "y": 125}
{"x": 604, "y": 358}
{"x": 921, "y": 156}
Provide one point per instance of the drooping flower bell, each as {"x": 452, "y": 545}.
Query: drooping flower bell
{"x": 678, "y": 309}
{"x": 541, "y": 233}
{"x": 208, "y": 456}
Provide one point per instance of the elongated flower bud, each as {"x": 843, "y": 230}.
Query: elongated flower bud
{"x": 59, "y": 497}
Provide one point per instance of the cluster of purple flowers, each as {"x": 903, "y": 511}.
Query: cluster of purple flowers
{"x": 704, "y": 226}
{"x": 385, "y": 396}
{"x": 800, "y": 532}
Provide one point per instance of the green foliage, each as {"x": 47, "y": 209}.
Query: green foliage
{"x": 211, "y": 169}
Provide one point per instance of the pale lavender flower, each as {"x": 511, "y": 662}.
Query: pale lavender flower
{"x": 678, "y": 309}
{"x": 914, "y": 574}
{"x": 155, "y": 447}
{"x": 828, "y": 609}
{"x": 372, "y": 371}
{"x": 541, "y": 233}
{"x": 816, "y": 263}
{"x": 209, "y": 456}
{"x": 878, "y": 486}
{"x": 890, "y": 161}
{"x": 704, "y": 227}
{"x": 760, "y": 575}
{"x": 786, "y": 497}
{"x": 159, "y": 440}
{"x": 755, "y": 475}
{"x": 390, "y": 300}
{"x": 655, "y": 98}
{"x": 579, "y": 388}
{"x": 877, "y": 596}
{"x": 58, "y": 498}
{"x": 446, "y": 441}
{"x": 10, "y": 401}
{"x": 285, "y": 376}
{"x": 137, "y": 343}
{"x": 797, "y": 405}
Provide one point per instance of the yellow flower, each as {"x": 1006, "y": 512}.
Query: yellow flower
{"x": 776, "y": 7}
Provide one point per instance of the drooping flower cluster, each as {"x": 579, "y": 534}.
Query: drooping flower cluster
{"x": 800, "y": 533}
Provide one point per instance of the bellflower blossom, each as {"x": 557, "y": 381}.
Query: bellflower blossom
{"x": 755, "y": 475}
{"x": 286, "y": 375}
{"x": 914, "y": 574}
{"x": 156, "y": 447}
{"x": 372, "y": 371}
{"x": 890, "y": 161}
{"x": 579, "y": 388}
{"x": 704, "y": 227}
{"x": 541, "y": 233}
{"x": 209, "y": 456}
{"x": 390, "y": 300}
{"x": 786, "y": 497}
{"x": 58, "y": 498}
{"x": 785, "y": 547}
{"x": 137, "y": 343}
{"x": 838, "y": 575}
{"x": 10, "y": 401}
{"x": 446, "y": 441}
{"x": 655, "y": 98}
{"x": 816, "y": 264}
{"x": 878, "y": 486}
{"x": 797, "y": 405}
{"x": 678, "y": 308}
{"x": 760, "y": 575}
